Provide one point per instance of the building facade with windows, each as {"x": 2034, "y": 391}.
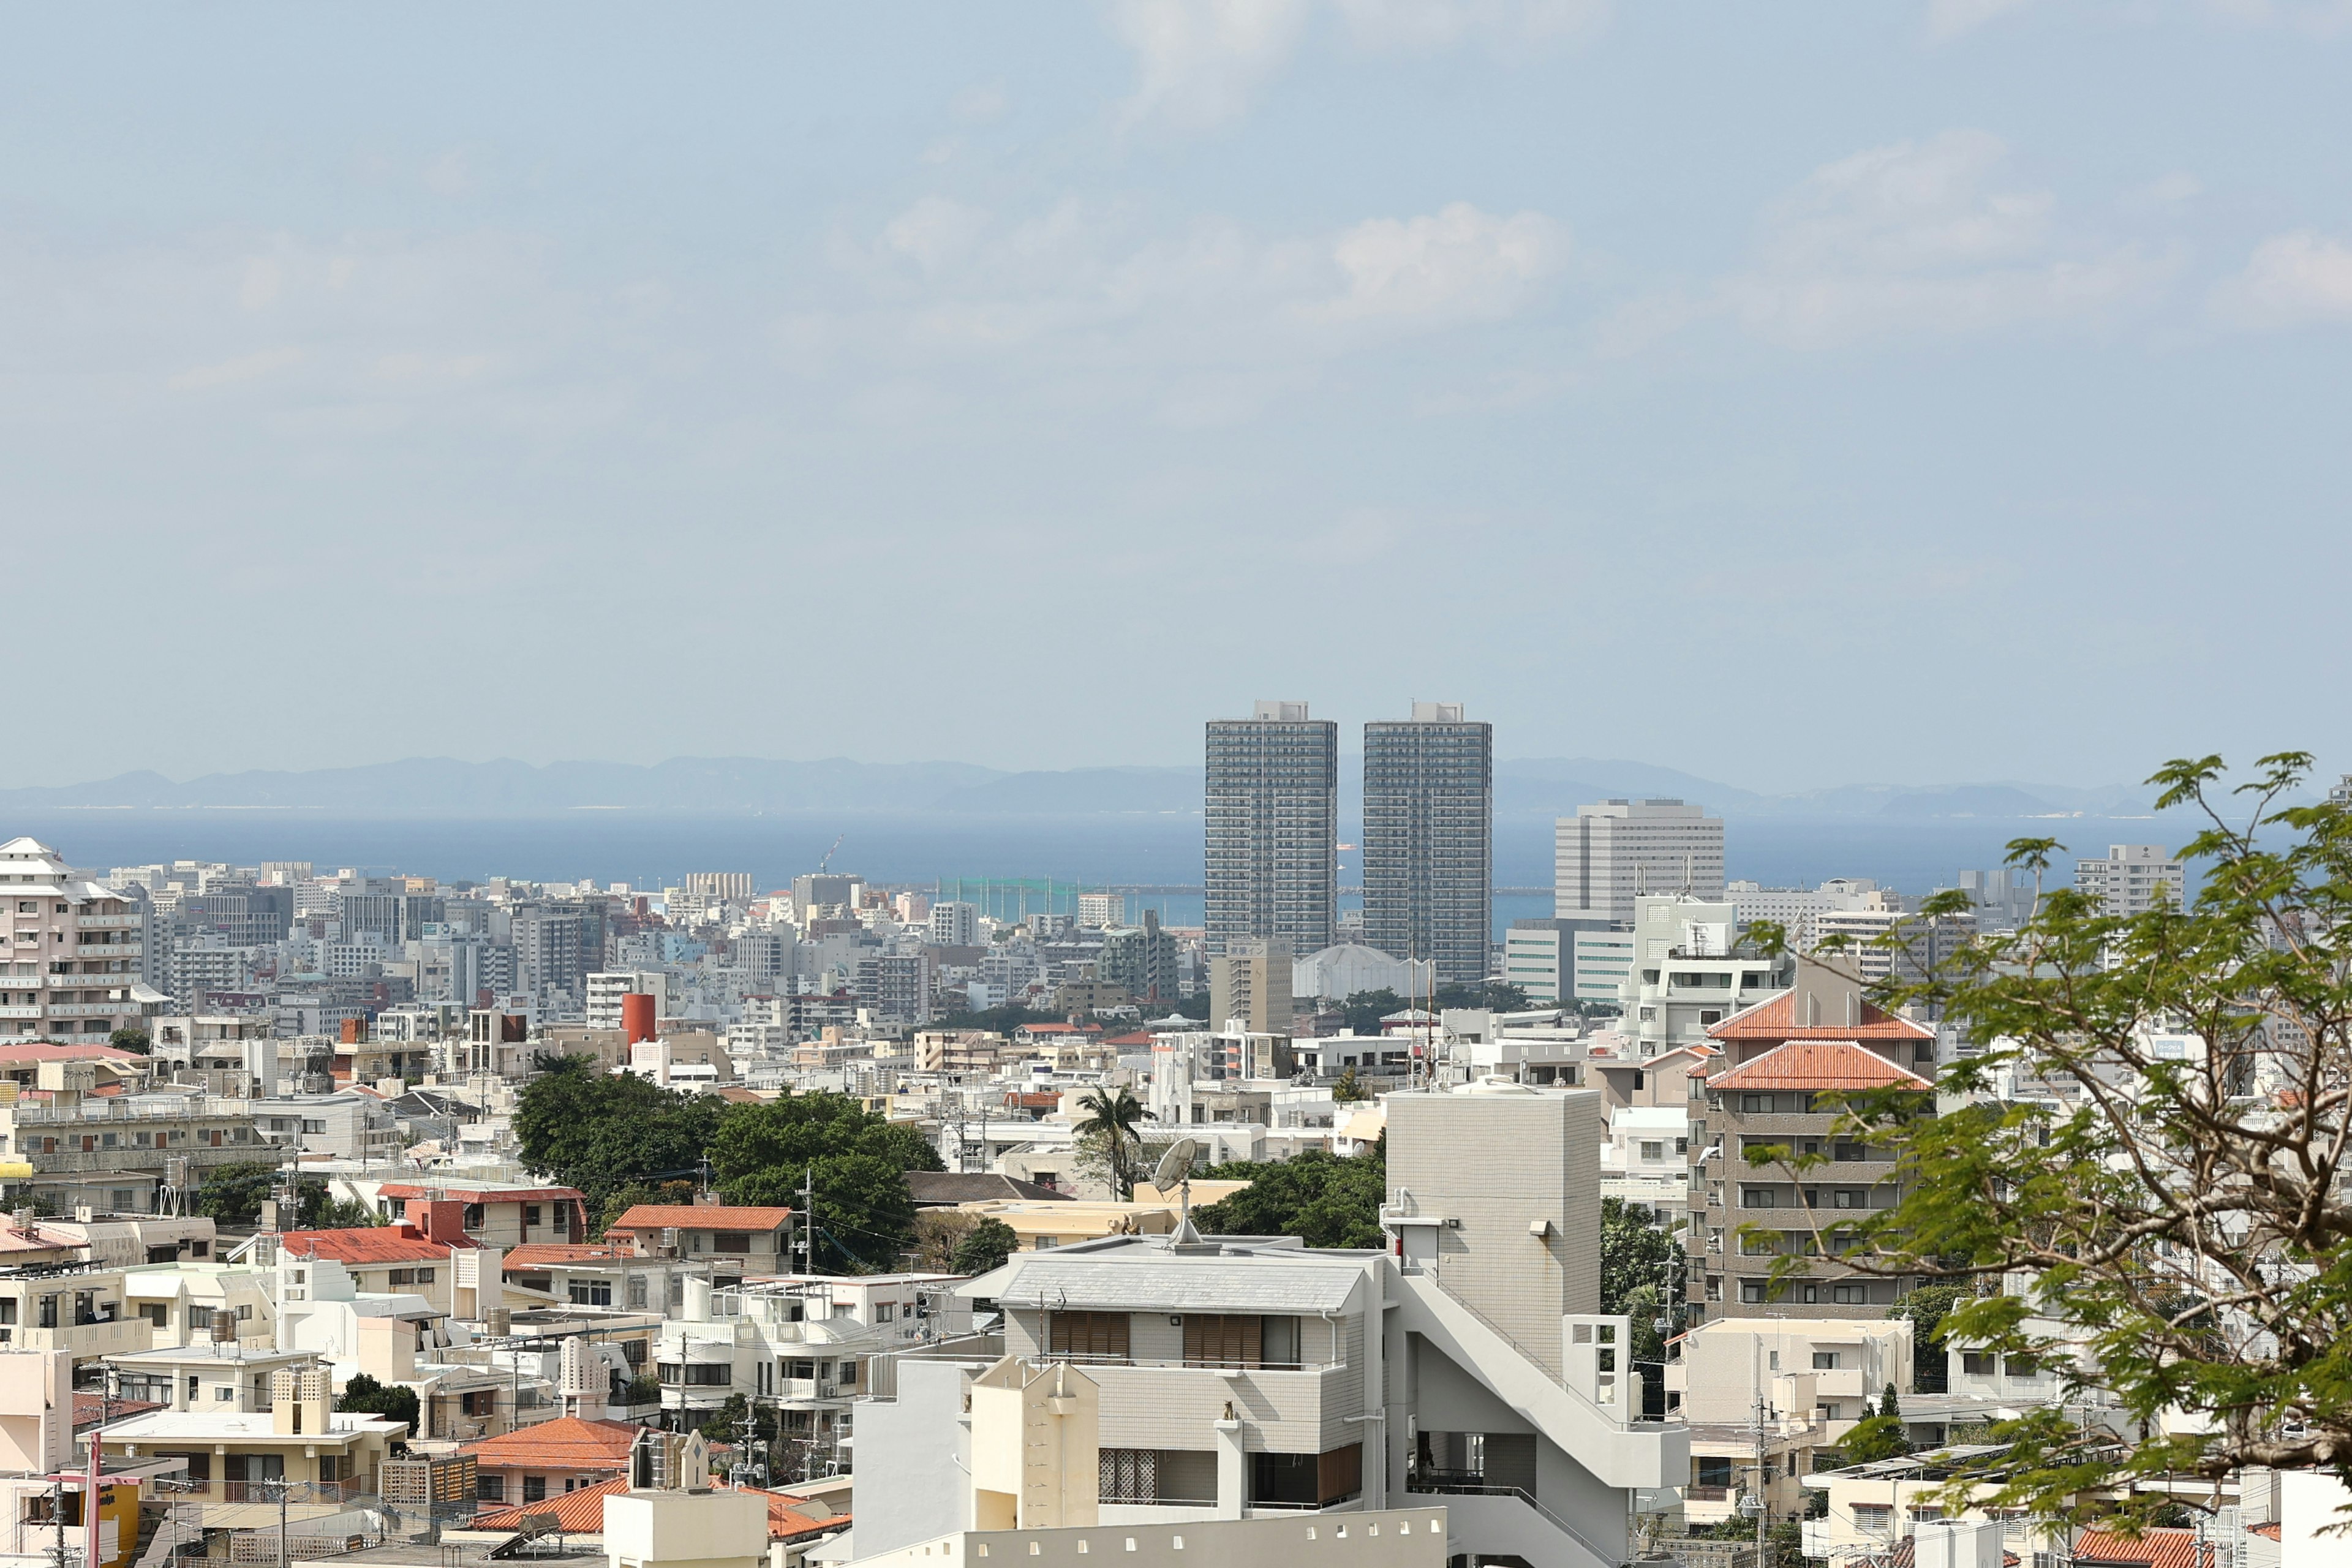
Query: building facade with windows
{"x": 1609, "y": 854}
{"x": 1429, "y": 839}
{"x": 1786, "y": 1063}
{"x": 2132, "y": 878}
{"x": 1271, "y": 854}
{"x": 74, "y": 964}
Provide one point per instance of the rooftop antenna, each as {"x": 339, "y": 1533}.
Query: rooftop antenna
{"x": 1176, "y": 1166}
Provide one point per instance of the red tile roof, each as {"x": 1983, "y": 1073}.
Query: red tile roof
{"x": 1775, "y": 1019}
{"x": 578, "y": 1512}
{"x": 699, "y": 1216}
{"x": 539, "y": 1254}
{"x": 566, "y": 1443}
{"x": 29, "y": 1051}
{"x": 2270, "y": 1530}
{"x": 482, "y": 1194}
{"x": 368, "y": 1244}
{"x": 1819, "y": 1065}
{"x": 2158, "y": 1548}
{"x": 90, "y": 1409}
{"x": 787, "y": 1523}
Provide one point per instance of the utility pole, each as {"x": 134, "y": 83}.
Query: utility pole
{"x": 808, "y": 1220}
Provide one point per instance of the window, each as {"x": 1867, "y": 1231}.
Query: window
{"x": 1129, "y": 1475}
{"x": 1755, "y": 1197}
{"x": 1849, "y": 1198}
{"x": 313, "y": 1125}
{"x": 1852, "y": 1151}
{"x": 155, "y": 1312}
{"x": 1751, "y": 1289}
{"x": 1825, "y": 1360}
{"x": 479, "y": 1401}
{"x": 1654, "y": 1149}
{"x": 591, "y": 1292}
{"x": 534, "y": 1488}
{"x": 48, "y": 1312}
{"x": 2024, "y": 1366}
{"x": 1976, "y": 1364}
{"x": 1850, "y": 1295}
{"x": 1874, "y": 1517}
{"x": 401, "y": 1277}
{"x": 708, "y": 1374}
{"x": 490, "y": 1486}
{"x": 884, "y": 1311}
{"x": 1714, "y": 1472}
{"x": 1099, "y": 1334}
{"x": 731, "y": 1241}
{"x": 1224, "y": 1339}
{"x": 530, "y": 1215}
{"x": 472, "y": 1220}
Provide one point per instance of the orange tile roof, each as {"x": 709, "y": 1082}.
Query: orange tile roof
{"x": 581, "y": 1512}
{"x": 578, "y": 1512}
{"x": 699, "y": 1216}
{"x": 566, "y": 1443}
{"x": 1775, "y": 1019}
{"x": 2158, "y": 1548}
{"x": 787, "y": 1523}
{"x": 482, "y": 1194}
{"x": 1817, "y": 1064}
{"x": 367, "y": 1243}
{"x": 539, "y": 1254}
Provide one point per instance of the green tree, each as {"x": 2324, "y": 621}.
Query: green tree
{"x": 984, "y": 1246}
{"x": 602, "y": 1131}
{"x": 130, "y": 1040}
{"x": 1641, "y": 1276}
{"x": 1365, "y": 1010}
{"x": 365, "y": 1394}
{"x": 1874, "y": 1437}
{"x": 1926, "y": 1308}
{"x": 1498, "y": 995}
{"x": 1348, "y": 1091}
{"x": 1324, "y": 1199}
{"x": 1889, "y": 1404}
{"x": 233, "y": 1195}
{"x": 1111, "y": 1115}
{"x": 2176, "y": 1193}
{"x": 855, "y": 1161}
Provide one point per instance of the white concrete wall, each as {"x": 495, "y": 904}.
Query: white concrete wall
{"x": 1404, "y": 1538}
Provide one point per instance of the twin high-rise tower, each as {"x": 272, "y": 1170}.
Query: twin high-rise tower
{"x": 1272, "y": 834}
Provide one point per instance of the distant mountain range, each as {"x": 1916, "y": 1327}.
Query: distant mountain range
{"x": 734, "y": 787}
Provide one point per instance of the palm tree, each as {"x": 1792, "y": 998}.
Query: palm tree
{"x": 1112, "y": 1115}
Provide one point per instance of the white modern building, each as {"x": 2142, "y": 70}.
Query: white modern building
{"x": 1335, "y": 973}
{"x": 73, "y": 960}
{"x": 1463, "y": 1367}
{"x": 2133, "y": 878}
{"x": 1686, "y": 977}
{"x": 1608, "y": 855}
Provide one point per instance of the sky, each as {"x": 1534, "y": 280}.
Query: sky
{"x": 1795, "y": 395}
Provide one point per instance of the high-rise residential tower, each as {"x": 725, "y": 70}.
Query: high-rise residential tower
{"x": 1429, "y": 839}
{"x": 1608, "y": 855}
{"x": 1271, "y": 851}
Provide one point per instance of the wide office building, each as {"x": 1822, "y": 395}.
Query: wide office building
{"x": 1272, "y": 810}
{"x": 1608, "y": 855}
{"x": 1429, "y": 839}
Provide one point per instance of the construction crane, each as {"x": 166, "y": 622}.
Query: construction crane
{"x": 826, "y": 864}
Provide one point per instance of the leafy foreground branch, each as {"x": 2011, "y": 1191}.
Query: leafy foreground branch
{"x": 2144, "y": 1160}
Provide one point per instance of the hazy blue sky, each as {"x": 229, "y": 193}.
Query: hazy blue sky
{"x": 1792, "y": 394}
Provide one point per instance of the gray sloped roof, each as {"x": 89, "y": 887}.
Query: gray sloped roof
{"x": 1179, "y": 1285}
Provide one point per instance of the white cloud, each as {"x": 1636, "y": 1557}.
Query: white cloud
{"x": 980, "y": 104}
{"x": 1458, "y": 263}
{"x": 935, "y": 231}
{"x": 1427, "y": 26}
{"x": 236, "y": 371}
{"x": 1203, "y": 60}
{"x": 1950, "y": 18}
{"x": 2290, "y": 279}
{"x": 1913, "y": 239}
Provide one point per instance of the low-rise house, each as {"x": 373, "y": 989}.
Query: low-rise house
{"x": 496, "y": 1213}
{"x": 182, "y": 1302}
{"x": 1646, "y": 1162}
{"x": 348, "y": 1124}
{"x": 82, "y": 1311}
{"x": 603, "y": 1274}
{"x": 737, "y": 1241}
{"x": 799, "y": 1345}
{"x": 551, "y": 1458}
{"x": 296, "y": 1437}
{"x": 1874, "y": 1507}
{"x": 1040, "y": 1225}
{"x": 107, "y": 1153}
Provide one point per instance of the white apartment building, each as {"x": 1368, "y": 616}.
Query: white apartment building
{"x": 2132, "y": 877}
{"x": 955, "y": 925}
{"x": 74, "y": 953}
{"x": 1604, "y": 961}
{"x": 605, "y": 989}
{"x": 1685, "y": 978}
{"x": 1236, "y": 1378}
{"x": 1608, "y": 855}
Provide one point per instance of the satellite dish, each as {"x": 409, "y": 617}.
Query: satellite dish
{"x": 1176, "y": 1165}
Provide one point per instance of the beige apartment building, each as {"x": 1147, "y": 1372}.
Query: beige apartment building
{"x": 71, "y": 967}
